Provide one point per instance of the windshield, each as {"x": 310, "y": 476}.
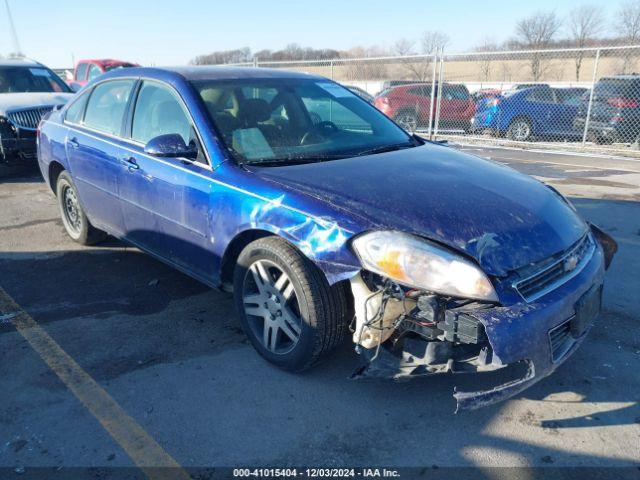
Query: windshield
{"x": 276, "y": 121}
{"x": 116, "y": 66}
{"x": 30, "y": 79}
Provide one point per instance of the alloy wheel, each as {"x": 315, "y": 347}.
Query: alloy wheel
{"x": 407, "y": 121}
{"x": 271, "y": 306}
{"x": 521, "y": 130}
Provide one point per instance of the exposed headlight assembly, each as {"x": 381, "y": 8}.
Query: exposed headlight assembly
{"x": 418, "y": 263}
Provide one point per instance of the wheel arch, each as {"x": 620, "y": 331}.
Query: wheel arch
{"x": 54, "y": 171}
{"x": 231, "y": 253}
{"x": 336, "y": 265}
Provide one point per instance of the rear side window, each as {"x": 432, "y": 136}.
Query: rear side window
{"x": 94, "y": 71}
{"x": 422, "y": 91}
{"x": 569, "y": 97}
{"x": 76, "y": 110}
{"x": 542, "y": 95}
{"x": 81, "y": 71}
{"x": 455, "y": 92}
{"x": 106, "y": 106}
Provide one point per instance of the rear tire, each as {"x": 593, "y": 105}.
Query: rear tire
{"x": 407, "y": 119}
{"x": 290, "y": 313}
{"x": 520, "y": 130}
{"x": 74, "y": 219}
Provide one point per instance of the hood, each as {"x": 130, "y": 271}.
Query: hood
{"x": 503, "y": 219}
{"x": 17, "y": 101}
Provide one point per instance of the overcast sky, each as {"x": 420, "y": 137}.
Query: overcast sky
{"x": 169, "y": 32}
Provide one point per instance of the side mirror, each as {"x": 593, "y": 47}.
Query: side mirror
{"x": 170, "y": 145}
{"x": 74, "y": 87}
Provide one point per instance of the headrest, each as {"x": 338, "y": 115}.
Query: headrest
{"x": 254, "y": 110}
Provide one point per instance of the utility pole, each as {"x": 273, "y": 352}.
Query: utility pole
{"x": 17, "y": 51}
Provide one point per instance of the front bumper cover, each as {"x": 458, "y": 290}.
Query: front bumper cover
{"x": 517, "y": 335}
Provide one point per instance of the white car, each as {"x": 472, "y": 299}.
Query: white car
{"x": 28, "y": 91}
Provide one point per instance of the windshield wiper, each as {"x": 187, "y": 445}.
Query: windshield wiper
{"x": 272, "y": 162}
{"x": 385, "y": 148}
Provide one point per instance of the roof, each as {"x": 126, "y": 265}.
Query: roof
{"x": 106, "y": 61}
{"x": 18, "y": 62}
{"x": 629, "y": 76}
{"x": 210, "y": 72}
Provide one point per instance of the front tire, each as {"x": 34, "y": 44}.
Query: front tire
{"x": 290, "y": 313}
{"x": 74, "y": 219}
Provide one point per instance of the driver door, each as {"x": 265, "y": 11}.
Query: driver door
{"x": 166, "y": 200}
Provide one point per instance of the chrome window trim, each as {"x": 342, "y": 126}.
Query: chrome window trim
{"x": 209, "y": 177}
{"x": 130, "y": 141}
{"x": 565, "y": 278}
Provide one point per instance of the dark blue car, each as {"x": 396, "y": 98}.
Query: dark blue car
{"x": 325, "y": 218}
{"x": 523, "y": 114}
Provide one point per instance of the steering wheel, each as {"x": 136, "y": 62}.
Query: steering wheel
{"x": 319, "y": 132}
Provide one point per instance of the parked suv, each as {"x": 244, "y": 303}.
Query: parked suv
{"x": 615, "y": 112}
{"x": 521, "y": 115}
{"x": 409, "y": 106}
{"x": 87, "y": 70}
{"x": 28, "y": 90}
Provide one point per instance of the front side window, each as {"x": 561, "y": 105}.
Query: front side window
{"x": 276, "y": 121}
{"x": 159, "y": 112}
{"x": 107, "y": 104}
{"x": 30, "y": 79}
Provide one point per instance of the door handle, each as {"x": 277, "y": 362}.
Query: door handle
{"x": 73, "y": 143}
{"x": 130, "y": 163}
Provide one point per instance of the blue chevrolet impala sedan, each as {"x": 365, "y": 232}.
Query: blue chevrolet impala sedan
{"x": 325, "y": 219}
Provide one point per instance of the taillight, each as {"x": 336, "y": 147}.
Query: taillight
{"x": 620, "y": 102}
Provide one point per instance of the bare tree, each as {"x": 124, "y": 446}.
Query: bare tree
{"x": 487, "y": 45}
{"x": 537, "y": 32}
{"x": 404, "y": 49}
{"x": 585, "y": 23}
{"x": 432, "y": 41}
{"x": 629, "y": 27}
{"x": 364, "y": 70}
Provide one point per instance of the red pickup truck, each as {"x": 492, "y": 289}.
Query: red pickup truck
{"x": 87, "y": 70}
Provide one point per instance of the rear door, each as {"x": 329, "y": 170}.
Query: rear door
{"x": 94, "y": 150}
{"x": 565, "y": 110}
{"x": 538, "y": 105}
{"x": 166, "y": 200}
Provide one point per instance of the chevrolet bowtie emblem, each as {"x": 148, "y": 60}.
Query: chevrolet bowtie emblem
{"x": 570, "y": 263}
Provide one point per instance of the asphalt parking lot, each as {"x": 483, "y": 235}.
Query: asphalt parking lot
{"x": 169, "y": 353}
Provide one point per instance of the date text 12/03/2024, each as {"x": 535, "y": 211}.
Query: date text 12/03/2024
{"x": 317, "y": 472}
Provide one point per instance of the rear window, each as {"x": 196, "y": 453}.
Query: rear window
{"x": 617, "y": 87}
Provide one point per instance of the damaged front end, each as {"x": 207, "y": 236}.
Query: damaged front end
{"x": 402, "y": 332}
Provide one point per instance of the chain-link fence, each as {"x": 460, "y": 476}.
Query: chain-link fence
{"x": 566, "y": 98}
